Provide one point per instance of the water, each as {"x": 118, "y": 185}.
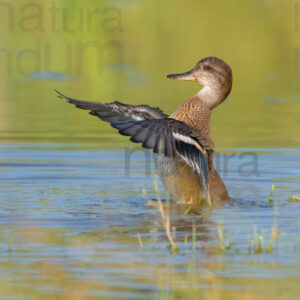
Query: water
{"x": 71, "y": 215}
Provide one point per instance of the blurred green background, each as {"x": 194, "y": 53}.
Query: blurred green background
{"x": 123, "y": 50}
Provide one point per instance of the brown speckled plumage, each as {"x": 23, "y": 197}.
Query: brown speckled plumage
{"x": 195, "y": 114}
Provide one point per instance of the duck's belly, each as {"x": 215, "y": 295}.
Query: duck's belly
{"x": 182, "y": 183}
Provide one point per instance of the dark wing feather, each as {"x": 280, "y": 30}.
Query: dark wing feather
{"x": 116, "y": 111}
{"x": 172, "y": 138}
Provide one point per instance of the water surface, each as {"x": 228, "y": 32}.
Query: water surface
{"x": 71, "y": 216}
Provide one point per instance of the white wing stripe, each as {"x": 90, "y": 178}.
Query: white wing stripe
{"x": 188, "y": 140}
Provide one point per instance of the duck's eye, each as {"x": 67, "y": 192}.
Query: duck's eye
{"x": 207, "y": 68}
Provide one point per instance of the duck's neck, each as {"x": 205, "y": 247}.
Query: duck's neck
{"x": 196, "y": 111}
{"x": 212, "y": 97}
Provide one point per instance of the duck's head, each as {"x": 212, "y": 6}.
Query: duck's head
{"x": 212, "y": 73}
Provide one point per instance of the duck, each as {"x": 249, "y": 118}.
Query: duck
{"x": 181, "y": 143}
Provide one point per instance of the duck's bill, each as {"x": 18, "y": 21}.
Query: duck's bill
{"x": 189, "y": 76}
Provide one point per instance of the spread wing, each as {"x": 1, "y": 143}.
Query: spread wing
{"x": 154, "y": 130}
{"x": 117, "y": 111}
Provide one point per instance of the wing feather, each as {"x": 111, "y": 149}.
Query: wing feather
{"x": 158, "y": 135}
{"x": 116, "y": 111}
